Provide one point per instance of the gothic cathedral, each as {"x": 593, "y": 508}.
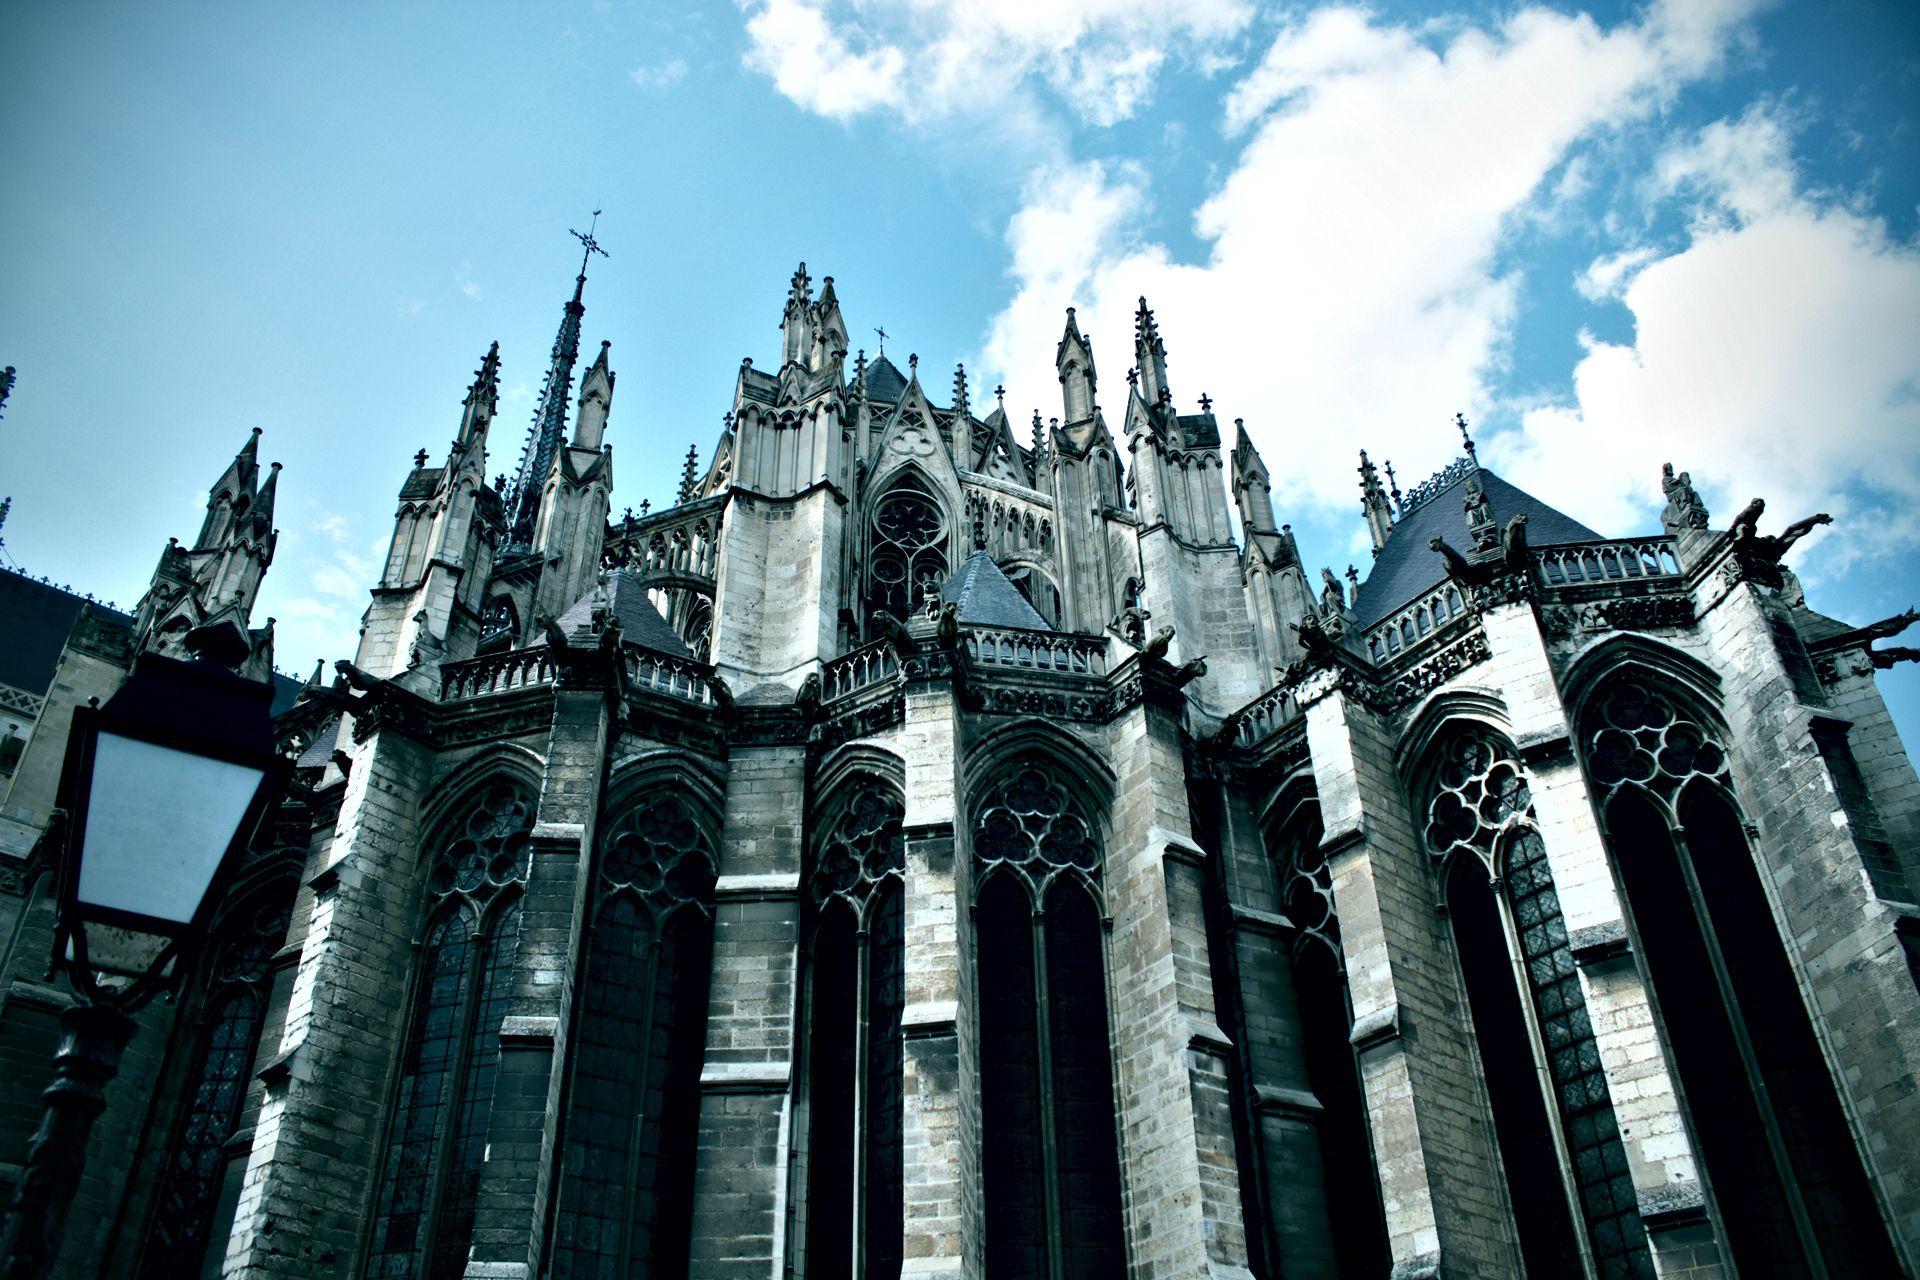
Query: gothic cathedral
{"x": 919, "y": 854}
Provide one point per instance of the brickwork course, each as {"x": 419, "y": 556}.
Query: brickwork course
{"x": 914, "y": 853}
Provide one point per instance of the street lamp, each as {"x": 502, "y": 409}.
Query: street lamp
{"x": 163, "y": 789}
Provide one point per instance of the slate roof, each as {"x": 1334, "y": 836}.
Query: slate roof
{"x": 884, "y": 381}
{"x": 1407, "y": 566}
{"x": 640, "y": 622}
{"x": 987, "y": 599}
{"x": 34, "y": 621}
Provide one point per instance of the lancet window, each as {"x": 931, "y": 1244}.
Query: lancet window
{"x": 1761, "y": 1104}
{"x": 1567, "y": 1173}
{"x": 1050, "y": 1149}
{"x": 1356, "y": 1229}
{"x": 624, "y": 1203}
{"x": 201, "y": 1184}
{"x": 856, "y": 994}
{"x": 908, "y": 549}
{"x": 430, "y": 1177}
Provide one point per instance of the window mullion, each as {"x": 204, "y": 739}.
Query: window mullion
{"x": 1736, "y": 1018}
{"x": 1549, "y": 1087}
{"x": 862, "y": 1016}
{"x": 456, "y": 1096}
{"x": 1049, "y": 1132}
{"x": 635, "y": 1136}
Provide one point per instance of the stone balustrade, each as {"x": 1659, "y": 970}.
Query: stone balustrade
{"x": 496, "y": 673}
{"x": 1414, "y": 622}
{"x": 1011, "y": 648}
{"x": 855, "y": 671}
{"x": 1570, "y": 563}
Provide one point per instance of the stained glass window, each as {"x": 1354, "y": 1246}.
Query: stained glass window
{"x": 182, "y": 1236}
{"x": 1479, "y": 809}
{"x": 437, "y": 1136}
{"x": 624, "y": 1201}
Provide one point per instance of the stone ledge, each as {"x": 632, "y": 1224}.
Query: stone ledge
{"x": 745, "y": 1077}
{"x": 931, "y": 1020}
{"x": 1254, "y": 920}
{"x": 761, "y": 888}
{"x": 1205, "y": 1033}
{"x": 573, "y": 833}
{"x": 528, "y": 1032}
{"x": 39, "y": 994}
{"x": 1678, "y": 1204}
{"x": 1546, "y": 749}
{"x": 1599, "y": 943}
{"x": 1288, "y": 1102}
{"x": 1374, "y": 1029}
{"x": 495, "y": 1271}
{"x": 1422, "y": 1266}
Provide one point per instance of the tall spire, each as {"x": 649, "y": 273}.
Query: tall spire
{"x": 690, "y": 475}
{"x": 1150, "y": 357}
{"x": 1374, "y": 504}
{"x": 550, "y": 417}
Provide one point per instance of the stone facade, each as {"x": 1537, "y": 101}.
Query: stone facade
{"x": 916, "y": 853}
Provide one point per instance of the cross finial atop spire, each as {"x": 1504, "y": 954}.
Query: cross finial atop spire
{"x": 883, "y": 342}
{"x": 591, "y": 246}
{"x": 1000, "y": 394}
{"x": 1206, "y": 403}
{"x": 1460, "y": 420}
{"x": 420, "y": 458}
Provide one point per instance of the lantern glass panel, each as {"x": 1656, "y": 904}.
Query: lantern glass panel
{"x": 158, "y": 823}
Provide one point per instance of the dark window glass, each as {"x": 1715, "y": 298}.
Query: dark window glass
{"x": 1014, "y": 1169}
{"x": 1540, "y": 1213}
{"x": 1088, "y": 1172}
{"x": 835, "y": 981}
{"x": 625, "y": 1204}
{"x": 886, "y": 961}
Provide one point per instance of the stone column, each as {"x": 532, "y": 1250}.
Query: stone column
{"x": 741, "y": 1197}
{"x": 1440, "y": 1174}
{"x": 940, "y": 1131}
{"x": 1652, "y": 1131}
{"x": 516, "y": 1183}
{"x": 1171, "y": 1060}
{"x": 315, "y": 1148}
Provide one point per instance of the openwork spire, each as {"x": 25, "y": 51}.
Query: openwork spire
{"x": 690, "y": 474}
{"x": 550, "y": 417}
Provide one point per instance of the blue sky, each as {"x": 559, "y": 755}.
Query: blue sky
{"x": 1613, "y": 236}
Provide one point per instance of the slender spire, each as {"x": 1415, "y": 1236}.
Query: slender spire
{"x": 962, "y": 411}
{"x": 1460, "y": 420}
{"x": 1150, "y": 357}
{"x": 690, "y": 474}
{"x": 550, "y": 417}
{"x": 1373, "y": 502}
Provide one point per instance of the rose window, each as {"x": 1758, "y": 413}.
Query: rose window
{"x": 1032, "y": 827}
{"x": 1479, "y": 789}
{"x": 1638, "y": 737}
{"x": 866, "y": 845}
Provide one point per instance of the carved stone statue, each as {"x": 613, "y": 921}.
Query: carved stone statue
{"x": 1748, "y": 542}
{"x": 1479, "y": 509}
{"x": 1333, "y": 597}
{"x": 1684, "y": 508}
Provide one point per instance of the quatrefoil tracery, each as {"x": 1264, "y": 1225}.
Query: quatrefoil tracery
{"x": 1638, "y": 736}
{"x": 1034, "y": 828}
{"x": 1479, "y": 792}
{"x": 866, "y": 844}
{"x": 489, "y": 850}
{"x": 659, "y": 853}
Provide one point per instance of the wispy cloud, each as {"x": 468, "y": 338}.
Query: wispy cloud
{"x": 928, "y": 61}
{"x": 464, "y": 279}
{"x": 405, "y": 306}
{"x": 658, "y": 80}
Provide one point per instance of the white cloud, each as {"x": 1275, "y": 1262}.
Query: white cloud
{"x": 1351, "y": 295}
{"x": 929, "y": 59}
{"x": 464, "y": 278}
{"x": 658, "y": 80}
{"x": 1777, "y": 355}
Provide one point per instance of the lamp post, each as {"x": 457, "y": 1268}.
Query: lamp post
{"x": 163, "y": 789}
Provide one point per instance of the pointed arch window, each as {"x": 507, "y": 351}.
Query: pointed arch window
{"x": 1355, "y": 1219}
{"x": 1050, "y": 1148}
{"x": 184, "y": 1239}
{"x": 856, "y": 993}
{"x": 1785, "y": 1174}
{"x": 436, "y": 1144}
{"x": 907, "y": 554}
{"x": 1567, "y": 1172}
{"x": 624, "y": 1208}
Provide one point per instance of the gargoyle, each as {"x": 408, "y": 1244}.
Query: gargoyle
{"x": 355, "y": 677}
{"x": 896, "y": 633}
{"x": 1314, "y": 639}
{"x": 949, "y": 630}
{"x": 1156, "y": 650}
{"x": 1187, "y": 672}
{"x": 556, "y": 638}
{"x": 1883, "y": 659}
{"x": 1748, "y": 541}
{"x": 610, "y": 639}
{"x": 722, "y": 693}
{"x": 343, "y": 762}
{"x": 1463, "y": 572}
{"x": 1513, "y": 545}
{"x": 807, "y": 698}
{"x": 1887, "y": 628}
